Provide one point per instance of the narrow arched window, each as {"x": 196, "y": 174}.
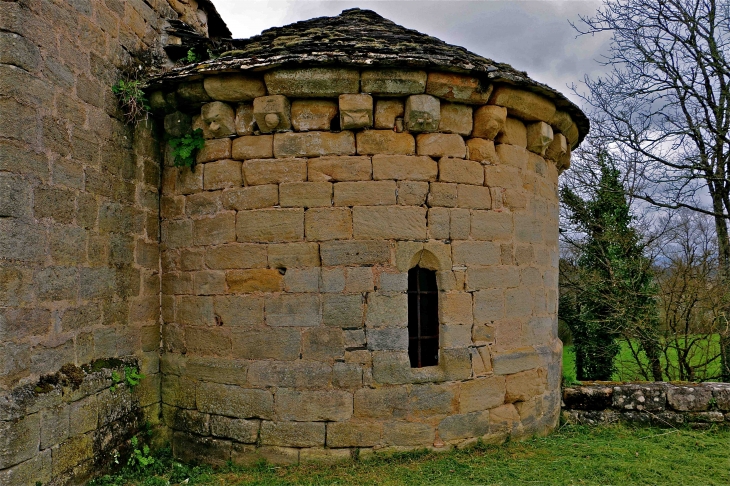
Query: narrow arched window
{"x": 423, "y": 322}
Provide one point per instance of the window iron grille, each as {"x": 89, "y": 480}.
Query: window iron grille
{"x": 423, "y": 324}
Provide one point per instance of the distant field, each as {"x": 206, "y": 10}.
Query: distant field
{"x": 628, "y": 370}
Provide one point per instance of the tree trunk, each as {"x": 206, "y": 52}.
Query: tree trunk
{"x": 723, "y": 245}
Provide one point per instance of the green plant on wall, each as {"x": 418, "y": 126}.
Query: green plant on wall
{"x": 184, "y": 148}
{"x": 132, "y": 99}
{"x": 132, "y": 376}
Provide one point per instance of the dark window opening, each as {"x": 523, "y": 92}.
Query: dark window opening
{"x": 423, "y": 322}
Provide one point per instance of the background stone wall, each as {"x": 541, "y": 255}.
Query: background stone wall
{"x": 697, "y": 405}
{"x": 79, "y": 225}
{"x": 285, "y": 256}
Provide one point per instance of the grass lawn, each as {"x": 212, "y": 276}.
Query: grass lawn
{"x": 573, "y": 455}
{"x": 627, "y": 370}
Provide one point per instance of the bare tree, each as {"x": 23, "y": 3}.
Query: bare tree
{"x": 664, "y": 106}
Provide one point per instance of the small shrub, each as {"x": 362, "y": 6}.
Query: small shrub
{"x": 192, "y": 57}
{"x": 132, "y": 99}
{"x": 141, "y": 459}
{"x": 184, "y": 148}
{"x": 132, "y": 376}
{"x": 116, "y": 379}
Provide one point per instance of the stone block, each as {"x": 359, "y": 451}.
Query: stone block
{"x": 456, "y": 118}
{"x": 455, "y": 308}
{"x": 216, "y": 370}
{"x": 240, "y": 430}
{"x": 222, "y": 174}
{"x": 539, "y": 137}
{"x": 235, "y": 256}
{"x": 254, "y": 197}
{"x": 512, "y": 156}
{"x": 309, "y": 115}
{"x": 353, "y": 433}
{"x": 474, "y": 197}
{"x": 253, "y": 147}
{"x": 177, "y": 124}
{"x": 459, "y": 88}
{"x": 523, "y": 104}
{"x": 239, "y": 310}
{"x": 387, "y": 339}
{"x": 358, "y": 279}
{"x": 491, "y": 225}
{"x": 515, "y": 360}
{"x": 219, "y": 120}
{"x": 215, "y": 149}
{"x": 188, "y": 448}
{"x": 365, "y": 193}
{"x": 315, "y": 405}
{"x": 387, "y": 311}
{"x": 557, "y": 149}
{"x": 234, "y": 87}
{"x": 422, "y": 113}
{"x": 293, "y": 310}
{"x": 270, "y": 225}
{"x": 344, "y": 168}
{"x": 482, "y": 394}
{"x": 488, "y": 307}
{"x": 203, "y": 203}
{"x": 356, "y": 111}
{"x": 234, "y": 401}
{"x": 393, "y": 82}
{"x": 687, "y": 398}
{"x": 297, "y": 434}
{"x": 301, "y": 280}
{"x": 415, "y": 168}
{"x": 464, "y": 426}
{"x": 386, "y": 113}
{"x": 524, "y": 385}
{"x": 328, "y": 224}
{"x": 442, "y": 194}
{"x": 270, "y": 171}
{"x": 438, "y": 223}
{"x": 441, "y": 145}
{"x": 460, "y": 171}
{"x": 347, "y": 375}
{"x": 72, "y": 453}
{"x": 323, "y": 344}
{"x": 289, "y": 255}
{"x": 476, "y": 253}
{"x": 482, "y": 150}
{"x": 19, "y": 440}
{"x": 459, "y": 223}
{"x": 336, "y": 253}
{"x": 293, "y": 374}
{"x": 408, "y": 434}
{"x": 280, "y": 344}
{"x": 514, "y": 132}
{"x": 412, "y": 193}
{"x": 561, "y": 121}
{"x": 214, "y": 231}
{"x": 315, "y": 82}
{"x": 313, "y": 144}
{"x": 392, "y": 222}
{"x": 272, "y": 113}
{"x": 344, "y": 311}
{"x": 209, "y": 283}
{"x": 255, "y": 280}
{"x": 305, "y": 194}
{"x": 245, "y": 122}
{"x": 489, "y": 121}
{"x": 371, "y": 142}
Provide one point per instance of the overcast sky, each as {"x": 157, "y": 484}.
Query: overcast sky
{"x": 532, "y": 36}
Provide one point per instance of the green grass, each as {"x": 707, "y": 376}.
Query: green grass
{"x": 571, "y": 456}
{"x": 628, "y": 370}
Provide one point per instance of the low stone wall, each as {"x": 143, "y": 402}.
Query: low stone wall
{"x": 69, "y": 425}
{"x": 657, "y": 404}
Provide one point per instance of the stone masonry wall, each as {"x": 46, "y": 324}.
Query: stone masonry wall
{"x": 79, "y": 223}
{"x": 285, "y": 255}
{"x": 697, "y": 405}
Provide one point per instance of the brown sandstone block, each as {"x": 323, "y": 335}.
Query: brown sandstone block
{"x": 515, "y": 360}
{"x": 309, "y": 115}
{"x": 512, "y": 155}
{"x": 291, "y": 255}
{"x": 476, "y": 253}
{"x": 328, "y": 224}
{"x": 254, "y": 197}
{"x": 383, "y": 402}
{"x": 459, "y": 88}
{"x": 456, "y": 308}
{"x": 356, "y": 111}
{"x": 20, "y": 440}
{"x": 514, "y": 132}
{"x": 473, "y": 197}
{"x": 386, "y": 112}
{"x": 218, "y": 120}
{"x": 456, "y": 118}
{"x": 234, "y": 87}
{"x": 323, "y": 344}
{"x": 442, "y": 194}
{"x": 492, "y": 277}
{"x": 561, "y": 121}
{"x": 336, "y": 253}
{"x": 71, "y": 453}
{"x": 539, "y": 137}
{"x": 235, "y": 256}
{"x": 215, "y": 149}
{"x": 489, "y": 121}
{"x": 440, "y": 145}
{"x": 488, "y": 306}
{"x": 366, "y": 193}
{"x": 234, "y": 401}
{"x": 464, "y": 426}
{"x": 385, "y": 142}
{"x": 523, "y": 104}
{"x": 393, "y": 82}
{"x": 526, "y": 384}
{"x": 392, "y": 222}
{"x": 305, "y": 194}
{"x": 422, "y": 113}
{"x": 272, "y": 113}
{"x": 353, "y": 434}
{"x": 412, "y": 193}
{"x": 209, "y": 282}
{"x": 438, "y": 223}
{"x": 414, "y": 168}
{"x": 408, "y": 434}
{"x": 208, "y": 341}
{"x": 281, "y": 344}
{"x": 314, "y": 405}
{"x": 491, "y": 225}
{"x": 245, "y": 121}
{"x": 316, "y": 82}
{"x": 298, "y": 434}
{"x": 240, "y": 430}
{"x": 239, "y": 311}
{"x": 269, "y": 171}
{"x": 270, "y": 225}
{"x": 502, "y": 176}
{"x": 214, "y": 231}
{"x": 253, "y": 147}
{"x": 460, "y": 171}
{"x": 557, "y": 148}
{"x": 313, "y": 144}
{"x": 343, "y": 311}
{"x": 482, "y": 394}
{"x": 222, "y": 174}
{"x": 344, "y": 168}
{"x": 254, "y": 280}
{"x": 203, "y": 204}
{"x": 293, "y": 310}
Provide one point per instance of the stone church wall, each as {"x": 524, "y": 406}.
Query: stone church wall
{"x": 79, "y": 231}
{"x": 285, "y": 255}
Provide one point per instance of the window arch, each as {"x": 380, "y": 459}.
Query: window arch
{"x": 423, "y": 323}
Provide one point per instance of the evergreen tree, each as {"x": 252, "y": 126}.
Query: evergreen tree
{"x": 611, "y": 292}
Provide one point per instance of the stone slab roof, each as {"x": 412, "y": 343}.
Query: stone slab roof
{"x": 360, "y": 38}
